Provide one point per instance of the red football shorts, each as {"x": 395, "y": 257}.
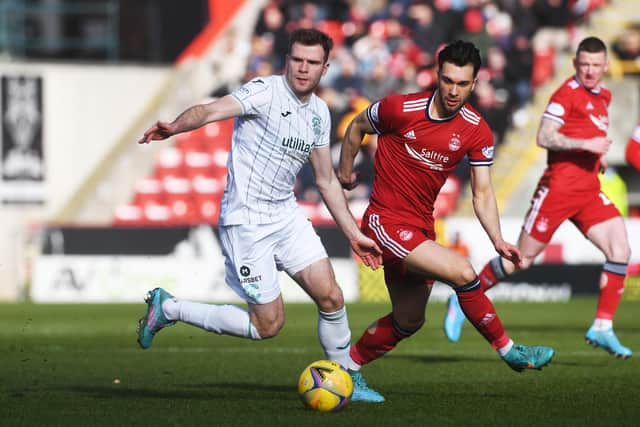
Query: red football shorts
{"x": 396, "y": 241}
{"x": 550, "y": 209}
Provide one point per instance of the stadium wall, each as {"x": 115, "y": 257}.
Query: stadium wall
{"x": 71, "y": 267}
{"x": 83, "y": 111}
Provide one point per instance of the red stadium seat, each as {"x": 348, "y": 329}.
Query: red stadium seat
{"x": 207, "y": 192}
{"x": 179, "y": 198}
{"x": 157, "y": 215}
{"x": 148, "y": 191}
{"x": 128, "y": 215}
{"x": 169, "y": 163}
{"x": 198, "y": 163}
{"x": 208, "y": 211}
{"x": 218, "y": 134}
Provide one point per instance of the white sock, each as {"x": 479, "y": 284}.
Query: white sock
{"x": 335, "y": 336}
{"x": 504, "y": 350}
{"x": 602, "y": 324}
{"x": 221, "y": 319}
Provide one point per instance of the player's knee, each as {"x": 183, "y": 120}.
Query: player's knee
{"x": 466, "y": 274}
{"x": 411, "y": 326}
{"x": 525, "y": 263}
{"x": 620, "y": 252}
{"x": 268, "y": 327}
{"x": 267, "y": 331}
{"x": 331, "y": 301}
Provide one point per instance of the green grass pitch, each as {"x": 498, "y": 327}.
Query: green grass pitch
{"x": 58, "y": 364}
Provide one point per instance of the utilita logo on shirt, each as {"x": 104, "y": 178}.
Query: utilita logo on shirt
{"x": 297, "y": 144}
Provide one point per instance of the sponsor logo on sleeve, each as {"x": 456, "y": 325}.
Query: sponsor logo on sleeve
{"x": 488, "y": 152}
{"x": 373, "y": 112}
{"x": 555, "y": 109}
{"x": 316, "y": 124}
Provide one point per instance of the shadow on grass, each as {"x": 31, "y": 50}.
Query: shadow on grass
{"x": 220, "y": 391}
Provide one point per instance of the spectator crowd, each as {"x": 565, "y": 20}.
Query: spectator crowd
{"x": 383, "y": 47}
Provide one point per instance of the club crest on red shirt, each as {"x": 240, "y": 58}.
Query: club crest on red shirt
{"x": 454, "y": 142}
{"x": 405, "y": 235}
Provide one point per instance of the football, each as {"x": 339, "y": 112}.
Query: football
{"x": 325, "y": 386}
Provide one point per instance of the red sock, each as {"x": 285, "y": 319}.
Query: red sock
{"x": 491, "y": 274}
{"x": 611, "y": 288}
{"x": 481, "y": 313}
{"x": 379, "y": 338}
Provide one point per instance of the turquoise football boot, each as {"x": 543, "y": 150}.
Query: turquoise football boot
{"x": 608, "y": 341}
{"x": 453, "y": 319}
{"x": 522, "y": 357}
{"x": 154, "y": 319}
{"x": 361, "y": 391}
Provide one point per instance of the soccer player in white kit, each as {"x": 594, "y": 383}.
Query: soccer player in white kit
{"x": 280, "y": 125}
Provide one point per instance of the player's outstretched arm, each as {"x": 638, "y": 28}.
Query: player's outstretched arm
{"x": 353, "y": 136}
{"x": 549, "y": 137}
{"x": 334, "y": 198}
{"x": 486, "y": 209}
{"x": 193, "y": 118}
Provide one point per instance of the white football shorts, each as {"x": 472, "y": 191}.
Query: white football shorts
{"x": 255, "y": 253}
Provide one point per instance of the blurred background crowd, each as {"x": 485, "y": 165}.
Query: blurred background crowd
{"x": 383, "y": 47}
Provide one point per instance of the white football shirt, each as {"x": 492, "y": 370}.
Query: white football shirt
{"x": 272, "y": 140}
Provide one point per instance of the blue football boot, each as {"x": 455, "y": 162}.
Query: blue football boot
{"x": 453, "y": 319}
{"x": 361, "y": 391}
{"x": 522, "y": 357}
{"x": 154, "y": 319}
{"x": 608, "y": 341}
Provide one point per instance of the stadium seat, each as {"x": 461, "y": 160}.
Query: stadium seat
{"x": 198, "y": 163}
{"x": 207, "y": 211}
{"x": 178, "y": 197}
{"x": 148, "y": 191}
{"x": 169, "y": 163}
{"x": 207, "y": 192}
{"x": 128, "y": 215}
{"x": 219, "y": 133}
{"x": 188, "y": 141}
{"x": 156, "y": 215}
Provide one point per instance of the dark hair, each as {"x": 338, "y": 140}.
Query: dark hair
{"x": 311, "y": 37}
{"x": 591, "y": 45}
{"x": 460, "y": 53}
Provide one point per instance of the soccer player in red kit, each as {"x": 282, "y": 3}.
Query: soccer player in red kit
{"x": 574, "y": 131}
{"x": 632, "y": 151}
{"x": 421, "y": 139}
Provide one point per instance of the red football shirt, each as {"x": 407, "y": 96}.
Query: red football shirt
{"x": 583, "y": 114}
{"x": 632, "y": 152}
{"x": 416, "y": 153}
